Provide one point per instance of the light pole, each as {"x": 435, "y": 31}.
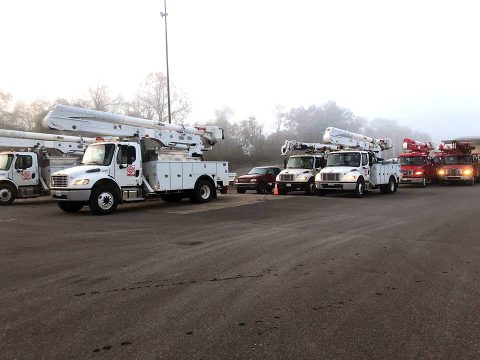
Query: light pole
{"x": 164, "y": 15}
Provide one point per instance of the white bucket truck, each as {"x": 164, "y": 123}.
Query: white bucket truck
{"x": 150, "y": 158}
{"x": 300, "y": 169}
{"x": 26, "y": 173}
{"x": 358, "y": 167}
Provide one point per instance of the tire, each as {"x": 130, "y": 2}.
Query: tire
{"x": 471, "y": 182}
{"x": 70, "y": 206}
{"x": 389, "y": 188}
{"x": 241, "y": 191}
{"x": 310, "y": 188}
{"x": 320, "y": 192}
{"x": 359, "y": 188}
{"x": 170, "y": 198}
{"x": 8, "y": 193}
{"x": 203, "y": 192}
{"x": 104, "y": 200}
{"x": 424, "y": 183}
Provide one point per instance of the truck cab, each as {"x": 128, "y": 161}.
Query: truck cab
{"x": 357, "y": 171}
{"x": 416, "y": 168}
{"x": 19, "y": 176}
{"x": 299, "y": 173}
{"x": 458, "y": 168}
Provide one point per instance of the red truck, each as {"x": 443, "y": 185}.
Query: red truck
{"x": 261, "y": 179}
{"x": 457, "y": 163}
{"x": 416, "y": 163}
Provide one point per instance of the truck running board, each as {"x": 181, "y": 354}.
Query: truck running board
{"x": 132, "y": 194}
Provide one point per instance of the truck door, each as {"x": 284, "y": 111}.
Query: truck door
{"x": 128, "y": 171}
{"x": 25, "y": 171}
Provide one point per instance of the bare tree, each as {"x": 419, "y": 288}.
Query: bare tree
{"x": 152, "y": 102}
{"x": 101, "y": 100}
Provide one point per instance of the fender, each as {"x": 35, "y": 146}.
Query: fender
{"x": 8, "y": 181}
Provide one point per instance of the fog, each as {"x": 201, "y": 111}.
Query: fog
{"x": 413, "y": 62}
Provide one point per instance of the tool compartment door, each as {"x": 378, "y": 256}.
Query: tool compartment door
{"x": 188, "y": 178}
{"x": 163, "y": 175}
{"x": 176, "y": 175}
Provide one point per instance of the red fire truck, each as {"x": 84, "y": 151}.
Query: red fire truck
{"x": 416, "y": 164}
{"x": 457, "y": 163}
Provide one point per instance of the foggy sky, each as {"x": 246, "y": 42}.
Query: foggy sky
{"x": 411, "y": 61}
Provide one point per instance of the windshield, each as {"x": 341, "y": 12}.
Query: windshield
{"x": 457, "y": 160}
{"x": 301, "y": 162}
{"x": 344, "y": 159}
{"x": 5, "y": 161}
{"x": 411, "y": 160}
{"x": 98, "y": 154}
{"x": 259, "y": 171}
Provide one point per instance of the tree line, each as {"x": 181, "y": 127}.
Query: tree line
{"x": 247, "y": 141}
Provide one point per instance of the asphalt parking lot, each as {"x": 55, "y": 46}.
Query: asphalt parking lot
{"x": 245, "y": 276}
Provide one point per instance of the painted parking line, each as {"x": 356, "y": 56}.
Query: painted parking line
{"x": 7, "y": 220}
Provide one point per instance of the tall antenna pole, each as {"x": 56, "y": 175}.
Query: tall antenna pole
{"x": 164, "y": 15}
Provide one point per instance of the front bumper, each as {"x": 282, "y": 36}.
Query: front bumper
{"x": 71, "y": 195}
{"x": 411, "y": 180}
{"x": 457, "y": 178}
{"x": 247, "y": 186}
{"x": 349, "y": 186}
{"x": 291, "y": 185}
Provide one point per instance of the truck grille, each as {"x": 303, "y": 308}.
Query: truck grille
{"x": 331, "y": 177}
{"x": 59, "y": 181}
{"x": 286, "y": 177}
{"x": 454, "y": 172}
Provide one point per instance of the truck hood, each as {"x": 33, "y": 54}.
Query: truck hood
{"x": 3, "y": 174}
{"x": 296, "y": 171}
{"x": 250, "y": 176}
{"x": 338, "y": 169}
{"x": 81, "y": 170}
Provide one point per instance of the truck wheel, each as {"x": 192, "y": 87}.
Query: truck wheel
{"x": 70, "y": 206}
{"x": 310, "y": 187}
{"x": 7, "y": 194}
{"x": 424, "y": 183}
{"x": 360, "y": 188}
{"x": 103, "y": 200}
{"x": 471, "y": 182}
{"x": 175, "y": 197}
{"x": 320, "y": 192}
{"x": 391, "y": 186}
{"x": 203, "y": 192}
{"x": 241, "y": 191}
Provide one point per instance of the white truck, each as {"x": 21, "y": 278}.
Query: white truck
{"x": 26, "y": 173}
{"x": 150, "y": 158}
{"x": 358, "y": 167}
{"x": 301, "y": 169}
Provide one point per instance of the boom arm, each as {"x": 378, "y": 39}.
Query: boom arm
{"x": 194, "y": 139}
{"x": 412, "y": 145}
{"x": 292, "y": 145}
{"x": 349, "y": 139}
{"x": 64, "y": 143}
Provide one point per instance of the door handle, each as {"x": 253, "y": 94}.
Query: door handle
{"x": 178, "y": 175}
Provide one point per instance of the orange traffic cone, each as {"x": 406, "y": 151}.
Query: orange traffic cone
{"x": 275, "y": 190}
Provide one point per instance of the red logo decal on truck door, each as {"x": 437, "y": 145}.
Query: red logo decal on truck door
{"x": 131, "y": 170}
{"x": 26, "y": 175}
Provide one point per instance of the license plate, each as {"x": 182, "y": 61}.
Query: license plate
{"x": 58, "y": 193}
{"x": 288, "y": 185}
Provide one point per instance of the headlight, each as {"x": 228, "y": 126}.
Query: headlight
{"x": 441, "y": 172}
{"x": 467, "y": 172}
{"x": 253, "y": 180}
{"x": 302, "y": 178}
{"x": 81, "y": 182}
{"x": 350, "y": 177}
{"x": 419, "y": 173}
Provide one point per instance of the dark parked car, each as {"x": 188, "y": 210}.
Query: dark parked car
{"x": 261, "y": 179}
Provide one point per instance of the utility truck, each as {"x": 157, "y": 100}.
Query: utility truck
{"x": 457, "y": 163}
{"x": 149, "y": 158}
{"x": 300, "y": 169}
{"x": 358, "y": 166}
{"x": 416, "y": 163}
{"x": 26, "y": 171}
